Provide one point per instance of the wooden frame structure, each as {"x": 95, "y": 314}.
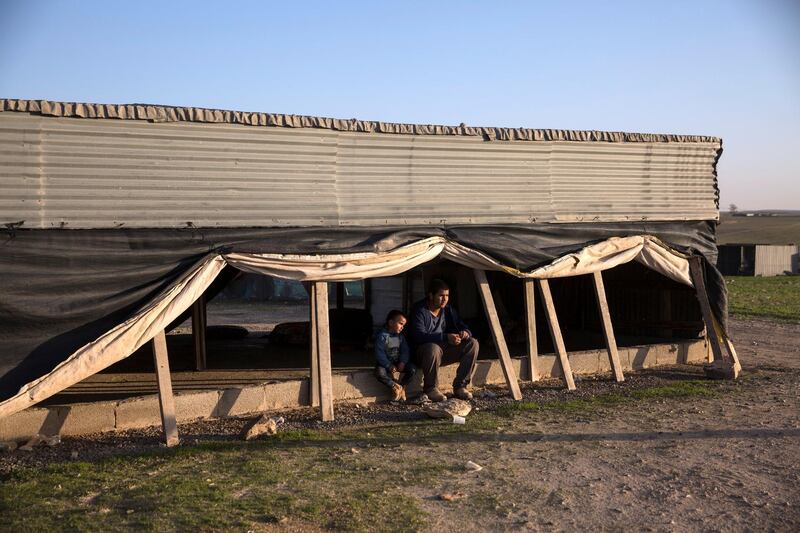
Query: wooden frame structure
{"x": 555, "y": 329}
{"x": 199, "y": 325}
{"x": 320, "y": 392}
{"x": 320, "y": 389}
{"x": 497, "y": 334}
{"x": 321, "y": 382}
{"x": 555, "y": 333}
{"x": 608, "y": 330}
{"x": 530, "y": 316}
{"x": 166, "y": 400}
{"x": 725, "y": 364}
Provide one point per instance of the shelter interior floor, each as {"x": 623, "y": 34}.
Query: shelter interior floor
{"x": 251, "y": 360}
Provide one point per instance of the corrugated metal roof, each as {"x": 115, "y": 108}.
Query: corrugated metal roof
{"x": 80, "y": 173}
{"x": 158, "y": 113}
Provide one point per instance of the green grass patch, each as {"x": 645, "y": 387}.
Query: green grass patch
{"x": 311, "y": 477}
{"x": 680, "y": 389}
{"x": 230, "y": 486}
{"x": 772, "y": 297}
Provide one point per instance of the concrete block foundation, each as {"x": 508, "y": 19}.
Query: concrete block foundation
{"x": 143, "y": 411}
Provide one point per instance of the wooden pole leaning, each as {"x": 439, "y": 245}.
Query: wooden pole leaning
{"x": 199, "y": 322}
{"x": 555, "y": 333}
{"x": 530, "y": 318}
{"x": 608, "y": 330}
{"x": 497, "y": 334}
{"x": 323, "y": 350}
{"x": 313, "y": 382}
{"x": 165, "y": 399}
{"x": 722, "y": 366}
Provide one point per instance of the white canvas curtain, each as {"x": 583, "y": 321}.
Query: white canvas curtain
{"x": 126, "y": 338}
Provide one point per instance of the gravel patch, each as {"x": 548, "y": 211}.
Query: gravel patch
{"x": 100, "y": 446}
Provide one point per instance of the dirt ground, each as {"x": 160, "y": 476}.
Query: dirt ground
{"x": 726, "y": 461}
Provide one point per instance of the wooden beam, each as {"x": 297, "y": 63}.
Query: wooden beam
{"x": 313, "y": 382}
{"x": 497, "y": 334}
{"x": 724, "y": 366}
{"x": 555, "y": 333}
{"x": 199, "y": 322}
{"x": 698, "y": 279}
{"x": 737, "y": 366}
{"x": 608, "y": 330}
{"x": 165, "y": 399}
{"x": 324, "y": 350}
{"x": 530, "y": 317}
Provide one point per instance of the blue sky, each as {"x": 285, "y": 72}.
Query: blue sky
{"x": 724, "y": 68}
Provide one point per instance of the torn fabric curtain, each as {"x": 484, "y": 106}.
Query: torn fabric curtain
{"x": 123, "y": 339}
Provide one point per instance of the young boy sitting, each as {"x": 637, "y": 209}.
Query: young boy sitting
{"x": 392, "y": 355}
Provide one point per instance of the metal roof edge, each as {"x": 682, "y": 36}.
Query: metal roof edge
{"x": 158, "y": 113}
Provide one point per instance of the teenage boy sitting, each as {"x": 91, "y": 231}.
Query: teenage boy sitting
{"x": 440, "y": 337}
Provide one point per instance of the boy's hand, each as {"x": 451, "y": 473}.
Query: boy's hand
{"x": 454, "y": 339}
{"x": 401, "y": 366}
{"x": 392, "y": 369}
{"x": 464, "y": 335}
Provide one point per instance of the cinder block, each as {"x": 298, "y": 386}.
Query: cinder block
{"x": 642, "y": 357}
{"x": 548, "y": 366}
{"x": 138, "y": 412}
{"x": 666, "y": 354}
{"x": 604, "y": 364}
{"x": 84, "y": 418}
{"x": 584, "y": 362}
{"x": 358, "y": 385}
{"x": 487, "y": 371}
{"x": 29, "y": 422}
{"x": 697, "y": 351}
{"x": 240, "y": 401}
{"x": 285, "y": 394}
{"x": 194, "y": 405}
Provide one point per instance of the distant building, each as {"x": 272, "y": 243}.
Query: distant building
{"x": 758, "y": 259}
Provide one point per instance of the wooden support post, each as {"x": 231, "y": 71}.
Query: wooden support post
{"x": 165, "y": 398}
{"x": 555, "y": 333}
{"x": 199, "y": 321}
{"x": 696, "y": 271}
{"x": 313, "y": 382}
{"x": 722, "y": 366}
{"x": 497, "y": 334}
{"x": 608, "y": 330}
{"x": 324, "y": 350}
{"x": 737, "y": 366}
{"x": 530, "y": 316}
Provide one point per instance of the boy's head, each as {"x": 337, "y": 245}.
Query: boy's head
{"x": 395, "y": 321}
{"x": 438, "y": 294}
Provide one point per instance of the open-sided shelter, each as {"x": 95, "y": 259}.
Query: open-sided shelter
{"x": 117, "y": 218}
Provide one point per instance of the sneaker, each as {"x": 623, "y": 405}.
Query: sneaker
{"x": 420, "y": 400}
{"x": 398, "y": 393}
{"x": 435, "y": 396}
{"x": 462, "y": 393}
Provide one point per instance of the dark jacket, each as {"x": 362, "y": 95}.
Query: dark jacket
{"x": 423, "y": 328}
{"x": 388, "y": 353}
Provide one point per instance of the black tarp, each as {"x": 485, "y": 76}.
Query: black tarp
{"x": 60, "y": 289}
